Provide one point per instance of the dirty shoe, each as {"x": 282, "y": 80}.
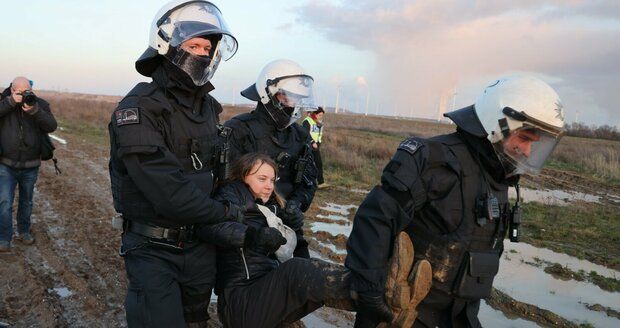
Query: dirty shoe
{"x": 397, "y": 290}
{"x": 406, "y": 287}
{"x": 5, "y": 246}
{"x": 25, "y": 238}
{"x": 420, "y": 281}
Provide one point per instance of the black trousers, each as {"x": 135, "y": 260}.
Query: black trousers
{"x": 318, "y": 161}
{"x": 296, "y": 288}
{"x": 166, "y": 288}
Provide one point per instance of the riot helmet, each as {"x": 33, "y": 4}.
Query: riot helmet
{"x": 286, "y": 91}
{"x": 523, "y": 119}
{"x": 179, "y": 21}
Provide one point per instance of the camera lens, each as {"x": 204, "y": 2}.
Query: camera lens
{"x": 29, "y": 98}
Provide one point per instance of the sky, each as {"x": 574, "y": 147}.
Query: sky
{"x": 388, "y": 57}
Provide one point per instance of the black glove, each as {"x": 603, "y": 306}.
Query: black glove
{"x": 371, "y": 309}
{"x": 234, "y": 212}
{"x": 292, "y": 215}
{"x": 267, "y": 240}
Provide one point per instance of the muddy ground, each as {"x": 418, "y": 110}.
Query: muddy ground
{"x": 73, "y": 277}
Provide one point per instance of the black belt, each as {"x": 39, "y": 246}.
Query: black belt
{"x": 173, "y": 235}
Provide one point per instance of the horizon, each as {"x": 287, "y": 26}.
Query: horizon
{"x": 391, "y": 58}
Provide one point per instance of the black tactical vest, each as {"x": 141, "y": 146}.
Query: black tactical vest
{"x": 284, "y": 151}
{"x": 194, "y": 140}
{"x": 449, "y": 228}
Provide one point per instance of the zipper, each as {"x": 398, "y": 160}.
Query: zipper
{"x": 247, "y": 272}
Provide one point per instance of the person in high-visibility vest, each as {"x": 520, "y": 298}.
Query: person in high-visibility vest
{"x": 314, "y": 124}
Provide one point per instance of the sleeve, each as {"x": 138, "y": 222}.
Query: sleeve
{"x": 7, "y": 104}
{"x": 225, "y": 234}
{"x": 306, "y": 125}
{"x": 385, "y": 211}
{"x": 228, "y": 234}
{"x": 43, "y": 117}
{"x": 304, "y": 191}
{"x": 157, "y": 172}
{"x": 239, "y": 141}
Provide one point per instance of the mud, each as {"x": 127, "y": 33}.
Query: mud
{"x": 579, "y": 186}
{"x": 502, "y": 302}
{"x": 73, "y": 277}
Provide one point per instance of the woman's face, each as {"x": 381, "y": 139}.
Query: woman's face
{"x": 261, "y": 181}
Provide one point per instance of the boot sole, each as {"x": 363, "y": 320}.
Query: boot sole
{"x": 406, "y": 286}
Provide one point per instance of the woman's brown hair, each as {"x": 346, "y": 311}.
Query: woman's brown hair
{"x": 243, "y": 167}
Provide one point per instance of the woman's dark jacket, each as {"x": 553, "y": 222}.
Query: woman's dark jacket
{"x": 238, "y": 265}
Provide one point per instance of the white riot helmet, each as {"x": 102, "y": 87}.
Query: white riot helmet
{"x": 179, "y": 21}
{"x": 286, "y": 91}
{"x": 523, "y": 119}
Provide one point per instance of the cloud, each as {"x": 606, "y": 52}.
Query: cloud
{"x": 426, "y": 50}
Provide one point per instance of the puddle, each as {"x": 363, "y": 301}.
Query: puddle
{"x": 553, "y": 197}
{"x": 333, "y": 228}
{"x": 613, "y": 198}
{"x": 532, "y": 285}
{"x": 527, "y": 252}
{"x": 337, "y": 208}
{"x": 59, "y": 139}
{"x": 334, "y": 217}
{"x": 332, "y": 247}
{"x": 316, "y": 255}
{"x": 489, "y": 317}
{"x": 326, "y": 318}
{"x": 62, "y": 292}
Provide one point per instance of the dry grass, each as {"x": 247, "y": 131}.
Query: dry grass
{"x": 596, "y": 156}
{"x": 355, "y": 147}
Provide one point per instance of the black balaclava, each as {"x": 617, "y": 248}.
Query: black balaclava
{"x": 178, "y": 84}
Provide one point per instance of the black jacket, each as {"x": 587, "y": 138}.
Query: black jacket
{"x": 430, "y": 189}
{"x": 238, "y": 265}
{"x": 163, "y": 139}
{"x": 256, "y": 132}
{"x": 20, "y": 131}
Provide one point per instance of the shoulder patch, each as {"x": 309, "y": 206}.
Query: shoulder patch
{"x": 410, "y": 145}
{"x": 127, "y": 116}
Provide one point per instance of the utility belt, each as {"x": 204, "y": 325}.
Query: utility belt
{"x": 173, "y": 239}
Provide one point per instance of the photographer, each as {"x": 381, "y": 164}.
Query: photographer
{"x": 24, "y": 118}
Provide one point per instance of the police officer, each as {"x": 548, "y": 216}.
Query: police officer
{"x": 450, "y": 194}
{"x": 313, "y": 123}
{"x": 165, "y": 142}
{"x": 282, "y": 91}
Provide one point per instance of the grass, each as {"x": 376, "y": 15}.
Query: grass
{"x": 596, "y": 157}
{"x": 587, "y": 231}
{"x": 356, "y": 148}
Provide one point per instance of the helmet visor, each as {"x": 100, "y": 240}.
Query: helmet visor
{"x": 525, "y": 150}
{"x": 198, "y": 19}
{"x": 295, "y": 92}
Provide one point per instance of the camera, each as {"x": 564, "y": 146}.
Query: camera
{"x": 29, "y": 98}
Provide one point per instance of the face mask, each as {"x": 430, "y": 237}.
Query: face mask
{"x": 199, "y": 68}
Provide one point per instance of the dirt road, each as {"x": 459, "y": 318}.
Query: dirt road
{"x": 72, "y": 275}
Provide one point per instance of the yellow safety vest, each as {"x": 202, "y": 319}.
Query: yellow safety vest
{"x": 316, "y": 132}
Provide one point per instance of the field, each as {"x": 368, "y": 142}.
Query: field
{"x": 73, "y": 276}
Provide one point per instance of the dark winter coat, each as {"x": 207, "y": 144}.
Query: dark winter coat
{"x": 238, "y": 265}
{"x": 21, "y": 132}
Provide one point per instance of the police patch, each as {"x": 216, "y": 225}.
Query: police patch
{"x": 127, "y": 116}
{"x": 410, "y": 145}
